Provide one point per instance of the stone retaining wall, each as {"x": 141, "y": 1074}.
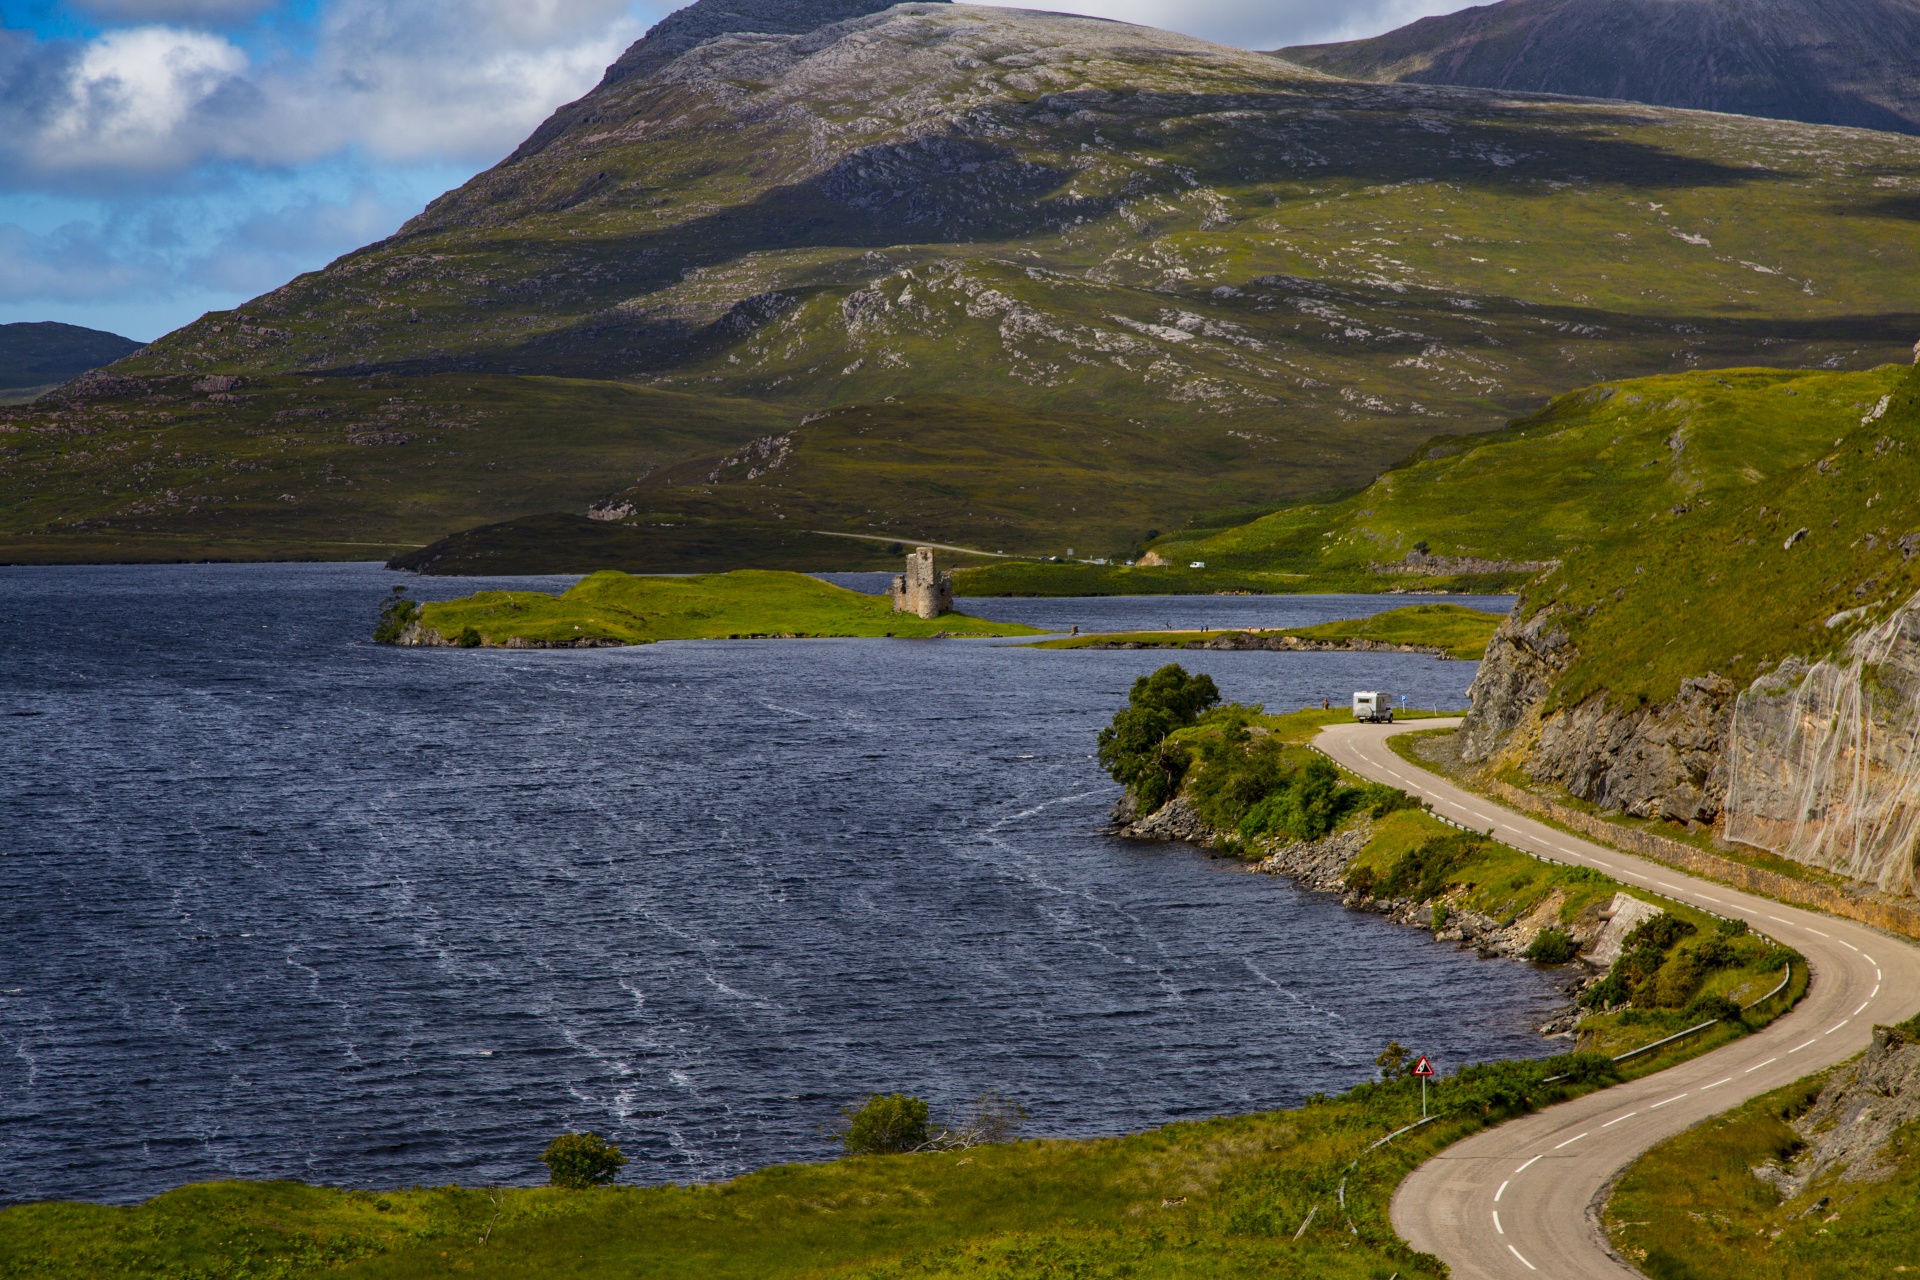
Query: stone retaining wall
{"x": 1895, "y": 917}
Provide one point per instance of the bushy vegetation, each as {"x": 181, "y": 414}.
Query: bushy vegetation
{"x": 1691, "y": 1208}
{"x": 1135, "y": 749}
{"x": 580, "y": 1160}
{"x": 1552, "y": 946}
{"x": 885, "y": 1124}
{"x": 396, "y": 615}
{"x": 1666, "y": 961}
{"x": 1240, "y": 774}
{"x": 615, "y": 607}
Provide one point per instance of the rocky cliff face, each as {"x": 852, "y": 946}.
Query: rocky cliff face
{"x": 1821, "y": 759}
{"x": 1851, "y": 62}
{"x": 1665, "y": 761}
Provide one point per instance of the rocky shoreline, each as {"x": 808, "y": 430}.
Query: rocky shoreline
{"x": 1321, "y": 866}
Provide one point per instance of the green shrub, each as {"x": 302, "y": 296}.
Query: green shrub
{"x": 1359, "y": 878}
{"x": 1720, "y": 1008}
{"x": 468, "y": 638}
{"x": 1310, "y": 804}
{"x": 1378, "y": 800}
{"x": 1552, "y": 946}
{"x": 1422, "y": 872}
{"x": 578, "y": 1160}
{"x": 396, "y": 615}
{"x": 885, "y": 1124}
{"x": 1659, "y": 934}
{"x": 1438, "y": 916}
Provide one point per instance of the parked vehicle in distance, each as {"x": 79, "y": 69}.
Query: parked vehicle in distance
{"x": 1371, "y": 708}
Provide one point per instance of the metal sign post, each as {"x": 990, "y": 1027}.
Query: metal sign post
{"x": 1423, "y": 1069}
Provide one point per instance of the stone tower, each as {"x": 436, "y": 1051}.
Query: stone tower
{"x": 921, "y": 590}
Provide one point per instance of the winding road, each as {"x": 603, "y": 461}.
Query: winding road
{"x": 1523, "y": 1199}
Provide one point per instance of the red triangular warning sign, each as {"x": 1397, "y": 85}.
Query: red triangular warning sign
{"x": 1423, "y": 1067}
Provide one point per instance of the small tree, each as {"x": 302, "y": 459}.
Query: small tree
{"x": 885, "y": 1124}
{"x": 1395, "y": 1062}
{"x": 1551, "y": 946}
{"x": 580, "y": 1160}
{"x": 993, "y": 1118}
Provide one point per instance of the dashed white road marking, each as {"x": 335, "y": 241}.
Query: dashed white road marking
{"x": 1570, "y": 1141}
{"x": 1778, "y": 920}
{"x": 1810, "y": 929}
{"x": 1523, "y": 1262}
{"x": 1716, "y": 1084}
{"x": 1664, "y": 885}
{"x": 1675, "y": 1098}
{"x": 1870, "y": 960}
{"x": 1875, "y": 991}
{"x": 1769, "y": 1062}
{"x": 1849, "y": 946}
{"x": 1797, "y": 1048}
{"x": 1496, "y": 1223}
{"x": 1863, "y": 1005}
{"x": 1843, "y": 1022}
{"x": 1617, "y": 1119}
{"x": 1502, "y": 1191}
{"x": 1523, "y": 1168}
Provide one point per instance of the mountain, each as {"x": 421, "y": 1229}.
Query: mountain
{"x": 1844, "y": 62}
{"x": 44, "y": 353}
{"x": 1001, "y": 279}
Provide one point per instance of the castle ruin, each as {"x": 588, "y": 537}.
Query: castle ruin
{"x": 921, "y": 590}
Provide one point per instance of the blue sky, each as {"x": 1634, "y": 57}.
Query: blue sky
{"x": 162, "y": 158}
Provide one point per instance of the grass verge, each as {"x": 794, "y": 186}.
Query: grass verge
{"x": 1454, "y": 629}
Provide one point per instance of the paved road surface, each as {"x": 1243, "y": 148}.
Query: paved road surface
{"x": 1519, "y": 1200}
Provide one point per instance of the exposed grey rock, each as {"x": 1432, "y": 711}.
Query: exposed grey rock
{"x": 1427, "y": 565}
{"x": 1524, "y": 658}
{"x": 1820, "y": 759}
{"x": 1850, "y": 1125}
{"x": 1174, "y": 820}
{"x": 1665, "y": 761}
{"x": 1320, "y": 864}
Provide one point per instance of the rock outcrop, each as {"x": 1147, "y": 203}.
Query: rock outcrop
{"x": 1850, "y": 1126}
{"x": 1821, "y": 765}
{"x": 1664, "y": 761}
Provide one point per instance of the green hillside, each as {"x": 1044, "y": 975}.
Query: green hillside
{"x": 1073, "y": 253}
{"x": 617, "y": 608}
{"x": 1460, "y": 631}
{"x": 1670, "y": 503}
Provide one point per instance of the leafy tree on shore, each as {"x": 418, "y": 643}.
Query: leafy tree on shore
{"x": 580, "y": 1160}
{"x": 885, "y": 1124}
{"x": 1134, "y": 748}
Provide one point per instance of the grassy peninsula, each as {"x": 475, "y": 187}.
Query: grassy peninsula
{"x": 615, "y": 608}
{"x": 1451, "y": 629}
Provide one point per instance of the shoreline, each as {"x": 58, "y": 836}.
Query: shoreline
{"x": 1320, "y": 866}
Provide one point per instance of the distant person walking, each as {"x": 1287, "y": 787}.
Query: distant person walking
{"x": 1326, "y": 704}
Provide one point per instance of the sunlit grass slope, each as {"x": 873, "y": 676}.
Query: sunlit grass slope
{"x": 614, "y": 606}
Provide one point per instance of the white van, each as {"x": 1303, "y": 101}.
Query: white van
{"x": 1371, "y": 708}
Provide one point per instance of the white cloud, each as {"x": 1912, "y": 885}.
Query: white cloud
{"x": 131, "y": 96}
{"x": 1257, "y": 24}
{"x": 418, "y": 78}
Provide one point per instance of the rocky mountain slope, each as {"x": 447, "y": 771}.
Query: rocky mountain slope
{"x": 1845, "y": 62}
{"x": 1221, "y": 278}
